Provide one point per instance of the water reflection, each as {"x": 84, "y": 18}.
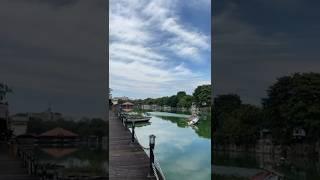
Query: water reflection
{"x": 182, "y": 152}
{"x": 75, "y": 160}
{"x": 297, "y": 168}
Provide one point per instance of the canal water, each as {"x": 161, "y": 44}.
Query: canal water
{"x": 237, "y": 163}
{"x": 183, "y": 152}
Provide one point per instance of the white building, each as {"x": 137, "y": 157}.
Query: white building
{"x": 19, "y": 123}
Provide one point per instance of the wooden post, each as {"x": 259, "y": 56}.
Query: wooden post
{"x": 151, "y": 145}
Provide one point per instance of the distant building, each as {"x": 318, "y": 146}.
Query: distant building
{"x": 265, "y": 134}
{"x": 146, "y": 107}
{"x": 19, "y": 123}
{"x": 127, "y": 106}
{"x": 166, "y": 108}
{"x": 299, "y": 133}
{"x": 123, "y": 98}
{"x": 46, "y": 115}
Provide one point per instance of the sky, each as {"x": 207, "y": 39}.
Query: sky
{"x": 258, "y": 41}
{"x": 53, "y": 51}
{"x": 159, "y": 47}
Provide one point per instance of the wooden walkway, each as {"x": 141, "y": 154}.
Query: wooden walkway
{"x": 126, "y": 160}
{"x": 11, "y": 167}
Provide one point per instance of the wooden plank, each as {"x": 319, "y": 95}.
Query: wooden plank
{"x": 127, "y": 160}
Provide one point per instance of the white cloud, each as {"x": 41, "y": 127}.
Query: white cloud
{"x": 142, "y": 33}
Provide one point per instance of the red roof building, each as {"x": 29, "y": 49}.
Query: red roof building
{"x": 59, "y": 132}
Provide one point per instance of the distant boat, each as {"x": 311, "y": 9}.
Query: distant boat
{"x": 194, "y": 117}
{"x": 193, "y": 120}
{"x": 137, "y": 117}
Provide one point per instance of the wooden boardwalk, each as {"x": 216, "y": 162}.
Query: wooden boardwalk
{"x": 126, "y": 160}
{"x": 11, "y": 168}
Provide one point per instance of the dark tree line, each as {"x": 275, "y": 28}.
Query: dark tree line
{"x": 292, "y": 102}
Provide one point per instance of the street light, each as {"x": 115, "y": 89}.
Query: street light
{"x": 132, "y": 134}
{"x": 152, "y": 142}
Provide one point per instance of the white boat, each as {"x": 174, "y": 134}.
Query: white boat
{"x": 139, "y": 119}
{"x": 194, "y": 120}
{"x": 194, "y": 117}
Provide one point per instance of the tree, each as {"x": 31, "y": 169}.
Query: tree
{"x": 202, "y": 95}
{"x": 294, "y": 102}
{"x": 185, "y": 101}
{"x": 242, "y": 124}
{"x": 181, "y": 94}
{"x": 173, "y": 101}
{"x": 223, "y": 106}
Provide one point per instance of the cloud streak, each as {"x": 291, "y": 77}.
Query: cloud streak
{"x": 152, "y": 51}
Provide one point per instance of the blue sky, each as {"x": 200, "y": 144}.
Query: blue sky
{"x": 159, "y": 47}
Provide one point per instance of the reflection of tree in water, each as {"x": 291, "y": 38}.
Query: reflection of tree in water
{"x": 83, "y": 160}
{"x": 181, "y": 122}
{"x": 203, "y": 128}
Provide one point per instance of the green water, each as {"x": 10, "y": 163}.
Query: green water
{"x": 183, "y": 152}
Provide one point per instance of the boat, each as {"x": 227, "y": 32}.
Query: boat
{"x": 139, "y": 119}
{"x": 193, "y": 120}
{"x": 134, "y": 117}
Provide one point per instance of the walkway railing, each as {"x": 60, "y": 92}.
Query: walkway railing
{"x": 156, "y": 168}
{"x": 44, "y": 170}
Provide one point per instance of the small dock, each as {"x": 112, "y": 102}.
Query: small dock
{"x": 127, "y": 160}
{"x": 11, "y": 167}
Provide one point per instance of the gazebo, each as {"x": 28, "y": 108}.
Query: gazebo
{"x": 127, "y": 106}
{"x": 58, "y": 135}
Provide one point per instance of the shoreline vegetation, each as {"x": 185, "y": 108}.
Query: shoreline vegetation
{"x": 287, "y": 123}
{"x": 181, "y": 102}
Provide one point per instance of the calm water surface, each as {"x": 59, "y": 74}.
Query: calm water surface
{"x": 76, "y": 160}
{"x": 183, "y": 152}
{"x": 297, "y": 168}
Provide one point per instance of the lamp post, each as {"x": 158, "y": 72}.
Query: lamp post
{"x": 132, "y": 134}
{"x": 152, "y": 139}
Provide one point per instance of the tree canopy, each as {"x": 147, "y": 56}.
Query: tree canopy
{"x": 292, "y": 102}
{"x": 202, "y": 95}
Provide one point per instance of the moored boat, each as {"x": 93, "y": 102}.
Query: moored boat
{"x": 193, "y": 120}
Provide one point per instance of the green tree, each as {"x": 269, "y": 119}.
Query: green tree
{"x": 185, "y": 101}
{"x": 181, "y": 94}
{"x": 294, "y": 102}
{"x": 173, "y": 101}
